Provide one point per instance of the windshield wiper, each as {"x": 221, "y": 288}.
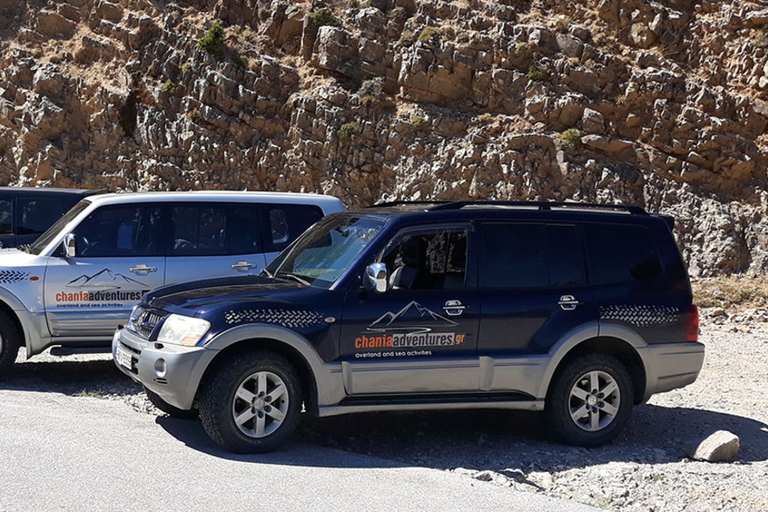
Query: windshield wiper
{"x": 266, "y": 272}
{"x": 295, "y": 278}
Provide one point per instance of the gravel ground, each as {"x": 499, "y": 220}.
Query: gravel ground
{"x": 646, "y": 469}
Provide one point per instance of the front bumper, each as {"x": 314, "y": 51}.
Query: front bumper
{"x": 671, "y": 365}
{"x": 173, "y": 372}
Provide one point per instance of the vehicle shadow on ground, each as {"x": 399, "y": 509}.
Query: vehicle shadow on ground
{"x": 292, "y": 453}
{"x": 70, "y": 377}
{"x": 503, "y": 441}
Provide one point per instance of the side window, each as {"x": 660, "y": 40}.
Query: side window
{"x": 513, "y": 256}
{"x": 565, "y": 256}
{"x": 285, "y": 222}
{"x": 214, "y": 230}
{"x": 530, "y": 256}
{"x": 37, "y": 215}
{"x": 428, "y": 260}
{"x": 6, "y": 217}
{"x": 120, "y": 231}
{"x": 621, "y": 253}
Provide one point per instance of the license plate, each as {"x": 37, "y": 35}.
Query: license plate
{"x": 123, "y": 358}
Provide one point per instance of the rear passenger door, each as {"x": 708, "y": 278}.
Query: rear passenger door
{"x": 213, "y": 240}
{"x": 535, "y": 290}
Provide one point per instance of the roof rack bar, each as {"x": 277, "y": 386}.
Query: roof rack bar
{"x": 541, "y": 205}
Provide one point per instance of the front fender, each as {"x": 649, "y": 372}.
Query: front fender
{"x": 33, "y": 325}
{"x": 327, "y": 376}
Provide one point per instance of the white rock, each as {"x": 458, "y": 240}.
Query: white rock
{"x": 721, "y": 446}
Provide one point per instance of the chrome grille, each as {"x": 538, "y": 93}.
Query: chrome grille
{"x": 143, "y": 322}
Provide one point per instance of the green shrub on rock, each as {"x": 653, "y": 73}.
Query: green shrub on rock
{"x": 570, "y": 139}
{"x": 323, "y": 18}
{"x": 347, "y": 131}
{"x": 213, "y": 42}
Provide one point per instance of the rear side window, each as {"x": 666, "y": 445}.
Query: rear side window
{"x": 285, "y": 222}
{"x": 620, "y": 253}
{"x": 214, "y": 230}
{"x": 6, "y": 217}
{"x": 530, "y": 256}
{"x": 36, "y": 215}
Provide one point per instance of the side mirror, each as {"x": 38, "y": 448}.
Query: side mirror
{"x": 376, "y": 277}
{"x": 69, "y": 245}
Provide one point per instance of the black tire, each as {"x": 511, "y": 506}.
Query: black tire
{"x": 266, "y": 420}
{"x": 169, "y": 409}
{"x": 10, "y": 342}
{"x": 575, "y": 414}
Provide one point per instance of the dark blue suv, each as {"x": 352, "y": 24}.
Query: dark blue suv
{"x": 576, "y": 310}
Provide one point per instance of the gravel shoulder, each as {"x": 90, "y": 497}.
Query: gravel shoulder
{"x": 646, "y": 469}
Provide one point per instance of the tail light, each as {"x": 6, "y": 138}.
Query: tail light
{"x": 692, "y": 323}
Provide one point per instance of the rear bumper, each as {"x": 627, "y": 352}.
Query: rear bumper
{"x": 184, "y": 367}
{"x": 670, "y": 366}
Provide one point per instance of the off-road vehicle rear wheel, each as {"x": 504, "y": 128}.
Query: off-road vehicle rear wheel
{"x": 589, "y": 401}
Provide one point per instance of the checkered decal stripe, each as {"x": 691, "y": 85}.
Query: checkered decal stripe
{"x": 292, "y": 318}
{"x": 12, "y": 276}
{"x": 641, "y": 315}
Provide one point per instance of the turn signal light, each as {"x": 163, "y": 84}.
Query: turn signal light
{"x": 692, "y": 323}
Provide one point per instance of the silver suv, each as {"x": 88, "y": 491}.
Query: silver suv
{"x": 73, "y": 286}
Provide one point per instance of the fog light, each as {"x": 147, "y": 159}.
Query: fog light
{"x": 160, "y": 367}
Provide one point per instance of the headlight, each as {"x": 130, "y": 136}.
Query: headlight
{"x": 183, "y": 330}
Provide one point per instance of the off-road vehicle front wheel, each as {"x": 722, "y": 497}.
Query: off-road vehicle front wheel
{"x": 252, "y": 404}
{"x": 10, "y": 342}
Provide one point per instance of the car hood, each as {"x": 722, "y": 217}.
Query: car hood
{"x": 207, "y": 294}
{"x": 13, "y": 257}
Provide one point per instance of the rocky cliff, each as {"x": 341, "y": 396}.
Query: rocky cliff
{"x": 662, "y": 104}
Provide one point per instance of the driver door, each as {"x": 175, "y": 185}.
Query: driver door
{"x": 420, "y": 336}
{"x": 119, "y": 258}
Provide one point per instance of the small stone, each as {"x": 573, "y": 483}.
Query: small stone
{"x": 717, "y": 312}
{"x": 722, "y": 446}
{"x": 484, "y": 476}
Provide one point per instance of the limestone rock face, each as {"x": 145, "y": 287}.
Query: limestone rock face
{"x": 659, "y": 104}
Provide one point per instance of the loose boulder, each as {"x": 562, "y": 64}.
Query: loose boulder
{"x": 722, "y": 446}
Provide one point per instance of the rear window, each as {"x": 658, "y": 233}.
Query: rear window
{"x": 621, "y": 253}
{"x": 38, "y": 214}
{"x": 285, "y": 222}
{"x": 6, "y": 217}
{"x": 530, "y": 256}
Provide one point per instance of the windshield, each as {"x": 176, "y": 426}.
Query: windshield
{"x": 322, "y": 254}
{"x": 43, "y": 240}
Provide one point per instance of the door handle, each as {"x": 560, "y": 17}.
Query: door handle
{"x": 243, "y": 266}
{"x": 142, "y": 269}
{"x": 454, "y": 307}
{"x": 568, "y": 302}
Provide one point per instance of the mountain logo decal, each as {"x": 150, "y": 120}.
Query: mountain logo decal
{"x": 104, "y": 280}
{"x": 408, "y": 318}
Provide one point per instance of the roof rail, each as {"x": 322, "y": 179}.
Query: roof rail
{"x": 406, "y": 203}
{"x": 541, "y": 205}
